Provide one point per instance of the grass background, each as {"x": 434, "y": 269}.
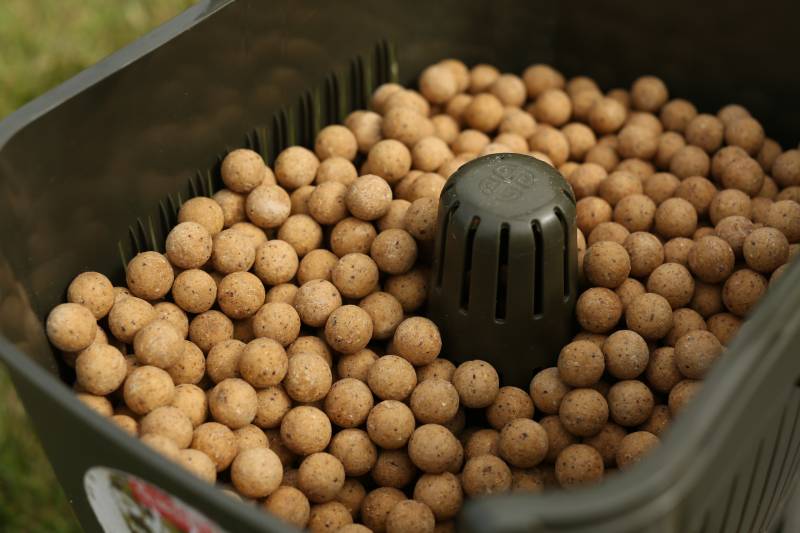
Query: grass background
{"x": 42, "y": 43}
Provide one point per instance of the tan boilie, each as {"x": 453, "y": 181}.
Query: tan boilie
{"x": 765, "y": 249}
{"x": 355, "y": 275}
{"x": 523, "y": 443}
{"x": 626, "y": 354}
{"x": 126, "y": 318}
{"x": 174, "y": 315}
{"x": 218, "y": 442}
{"x": 348, "y": 329}
{"x": 477, "y": 383}
{"x": 695, "y": 352}
{"x": 485, "y": 475}
{"x": 189, "y": 245}
{"x": 389, "y": 159}
{"x": 268, "y": 206}
{"x": 510, "y": 403}
{"x": 308, "y": 378}
{"x": 394, "y": 251}
{"x": 481, "y": 442}
{"x": 659, "y": 421}
{"x": 705, "y": 131}
{"x": 606, "y": 442}
{"x": 598, "y": 309}
{"x": 684, "y": 320}
{"x": 410, "y": 515}
{"x": 558, "y": 437}
{"x": 677, "y": 113}
{"x": 548, "y": 390}
{"x": 256, "y": 472}
{"x": 354, "y": 449}
{"x": 606, "y": 264}
{"x": 583, "y": 412}
{"x": 290, "y": 505}
{"x": 158, "y": 344}
{"x": 352, "y": 235}
{"x": 393, "y": 468}
{"x": 434, "y": 449}
{"x": 435, "y": 401}
{"x": 295, "y": 166}
{"x": 233, "y": 208}
{"x": 580, "y": 364}
{"x": 302, "y": 232}
{"x": 356, "y": 365}
{"x": 636, "y": 212}
{"x": 729, "y": 202}
{"x": 484, "y": 112}
{"x": 649, "y": 315}
{"x": 321, "y": 476}
{"x": 232, "y": 251}
{"x": 92, "y": 290}
{"x": 194, "y": 291}
{"x": 276, "y": 262}
{"x": 243, "y": 170}
{"x": 672, "y": 281}
{"x": 645, "y": 253}
{"x": 742, "y": 290}
{"x": 420, "y": 218}
{"x": 278, "y": 321}
{"x": 633, "y": 447}
{"x": 192, "y": 400}
{"x": 376, "y": 507}
{"x": 585, "y": 180}
{"x": 442, "y": 493}
{"x": 169, "y": 422}
{"x": 272, "y": 405}
{"x": 385, "y": 311}
{"x": 690, "y": 161}
{"x": 100, "y": 369}
{"x": 209, "y": 328}
{"x": 579, "y": 465}
{"x": 263, "y": 363}
{"x": 438, "y": 368}
{"x": 348, "y": 403}
{"x": 403, "y": 122}
{"x": 417, "y": 339}
{"x": 391, "y": 378}
{"x": 675, "y": 217}
{"x": 553, "y": 107}
{"x": 630, "y": 402}
{"x": 390, "y": 424}
{"x": 315, "y": 301}
{"x": 203, "y": 211}
{"x": 147, "y": 388}
{"x": 222, "y": 361}
{"x": 607, "y": 116}
{"x": 197, "y": 463}
{"x": 305, "y": 430}
{"x": 711, "y": 259}
{"x": 744, "y": 174}
{"x": 335, "y": 141}
{"x": 233, "y": 402}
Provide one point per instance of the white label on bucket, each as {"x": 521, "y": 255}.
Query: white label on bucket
{"x": 124, "y": 503}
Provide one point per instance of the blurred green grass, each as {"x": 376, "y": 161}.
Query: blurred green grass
{"x": 42, "y": 43}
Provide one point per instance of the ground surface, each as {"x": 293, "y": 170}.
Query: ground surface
{"x": 42, "y": 43}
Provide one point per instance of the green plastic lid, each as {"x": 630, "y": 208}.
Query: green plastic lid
{"x": 504, "y": 274}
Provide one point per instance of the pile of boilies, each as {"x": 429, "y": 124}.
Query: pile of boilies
{"x": 274, "y": 347}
